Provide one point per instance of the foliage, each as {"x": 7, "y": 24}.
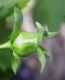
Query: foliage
{"x": 7, "y": 6}
{"x": 23, "y": 43}
{"x": 49, "y": 12}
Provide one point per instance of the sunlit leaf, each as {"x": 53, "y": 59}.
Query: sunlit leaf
{"x": 15, "y": 63}
{"x": 51, "y": 34}
{"x": 42, "y": 58}
{"x": 40, "y": 31}
{"x": 18, "y": 19}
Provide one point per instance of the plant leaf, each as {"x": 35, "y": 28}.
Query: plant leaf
{"x": 18, "y": 19}
{"x": 5, "y": 59}
{"x": 23, "y": 3}
{"x": 7, "y": 6}
{"x": 42, "y": 58}
{"x": 40, "y": 31}
{"x": 15, "y": 63}
{"x": 51, "y": 34}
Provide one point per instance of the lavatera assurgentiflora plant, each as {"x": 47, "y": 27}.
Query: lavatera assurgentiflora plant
{"x": 24, "y": 44}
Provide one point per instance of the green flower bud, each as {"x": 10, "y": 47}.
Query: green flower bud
{"x": 25, "y": 44}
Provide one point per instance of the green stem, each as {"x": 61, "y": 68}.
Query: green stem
{"x": 5, "y": 45}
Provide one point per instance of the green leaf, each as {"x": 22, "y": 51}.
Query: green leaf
{"x": 42, "y": 58}
{"x": 15, "y": 62}
{"x": 5, "y": 59}
{"x": 23, "y": 3}
{"x": 47, "y": 55}
{"x": 18, "y": 19}
{"x": 5, "y": 54}
{"x": 40, "y": 31}
{"x": 51, "y": 34}
{"x": 7, "y": 6}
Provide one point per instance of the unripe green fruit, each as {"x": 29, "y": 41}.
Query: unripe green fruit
{"x": 25, "y": 44}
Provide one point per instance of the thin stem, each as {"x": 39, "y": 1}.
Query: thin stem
{"x": 5, "y": 45}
